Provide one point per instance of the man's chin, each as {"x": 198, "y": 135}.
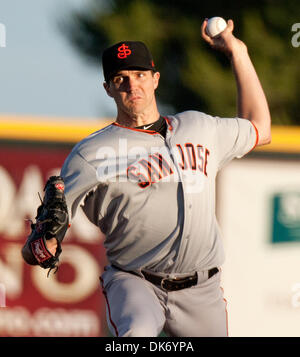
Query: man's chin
{"x": 134, "y": 110}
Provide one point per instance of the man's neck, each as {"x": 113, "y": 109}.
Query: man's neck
{"x": 135, "y": 120}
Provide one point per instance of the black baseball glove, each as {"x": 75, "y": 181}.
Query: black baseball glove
{"x": 51, "y": 221}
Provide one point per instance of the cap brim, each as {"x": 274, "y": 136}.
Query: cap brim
{"x": 140, "y": 68}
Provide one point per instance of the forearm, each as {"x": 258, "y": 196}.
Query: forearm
{"x": 251, "y": 100}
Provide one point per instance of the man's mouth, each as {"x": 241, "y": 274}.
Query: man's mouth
{"x": 132, "y": 99}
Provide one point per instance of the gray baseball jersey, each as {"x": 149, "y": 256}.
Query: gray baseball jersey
{"x": 154, "y": 197}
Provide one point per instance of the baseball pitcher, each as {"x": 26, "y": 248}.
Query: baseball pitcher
{"x": 148, "y": 182}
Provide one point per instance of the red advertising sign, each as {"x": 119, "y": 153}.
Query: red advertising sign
{"x": 68, "y": 303}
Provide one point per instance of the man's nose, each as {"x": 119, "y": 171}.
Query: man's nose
{"x": 131, "y": 83}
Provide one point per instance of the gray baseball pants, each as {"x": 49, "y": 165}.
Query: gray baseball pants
{"x": 137, "y": 308}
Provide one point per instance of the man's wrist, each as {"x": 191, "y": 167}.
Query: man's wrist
{"x": 238, "y": 50}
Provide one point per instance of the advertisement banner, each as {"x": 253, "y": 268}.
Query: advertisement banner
{"x": 259, "y": 218}
{"x": 286, "y": 217}
{"x": 68, "y": 303}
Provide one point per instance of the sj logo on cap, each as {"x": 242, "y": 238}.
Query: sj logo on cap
{"x": 124, "y": 51}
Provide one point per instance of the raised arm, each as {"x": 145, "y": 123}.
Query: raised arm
{"x": 251, "y": 100}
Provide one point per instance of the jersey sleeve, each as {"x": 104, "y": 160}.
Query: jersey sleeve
{"x": 80, "y": 178}
{"x": 235, "y": 137}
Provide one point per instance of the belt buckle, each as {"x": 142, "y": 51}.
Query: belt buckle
{"x": 162, "y": 284}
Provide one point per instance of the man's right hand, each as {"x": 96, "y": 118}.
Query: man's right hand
{"x": 225, "y": 42}
{"x": 251, "y": 100}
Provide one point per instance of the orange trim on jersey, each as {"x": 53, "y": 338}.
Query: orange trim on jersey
{"x": 226, "y": 312}
{"x": 257, "y": 136}
{"x": 169, "y": 123}
{"x": 151, "y": 132}
{"x": 226, "y": 316}
{"x": 108, "y": 308}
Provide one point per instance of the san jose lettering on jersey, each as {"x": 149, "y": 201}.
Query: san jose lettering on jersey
{"x": 150, "y": 170}
{"x": 156, "y": 166}
{"x": 146, "y": 169}
{"x": 194, "y": 158}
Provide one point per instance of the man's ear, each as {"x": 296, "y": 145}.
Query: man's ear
{"x": 107, "y": 88}
{"x": 156, "y": 77}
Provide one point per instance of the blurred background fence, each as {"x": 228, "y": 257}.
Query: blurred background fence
{"x": 70, "y": 302}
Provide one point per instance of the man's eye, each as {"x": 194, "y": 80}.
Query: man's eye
{"x": 118, "y": 79}
{"x": 141, "y": 74}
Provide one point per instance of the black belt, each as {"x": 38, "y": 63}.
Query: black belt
{"x": 176, "y": 283}
{"x": 173, "y": 284}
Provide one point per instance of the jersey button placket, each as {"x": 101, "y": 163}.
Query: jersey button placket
{"x": 186, "y": 205}
{"x": 185, "y": 241}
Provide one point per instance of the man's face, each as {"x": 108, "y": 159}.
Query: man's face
{"x": 133, "y": 90}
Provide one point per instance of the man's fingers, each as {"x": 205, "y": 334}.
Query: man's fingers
{"x": 204, "y": 34}
{"x": 230, "y": 26}
{"x": 211, "y": 41}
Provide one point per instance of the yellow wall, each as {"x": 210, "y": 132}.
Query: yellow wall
{"x": 48, "y": 129}
{"x": 285, "y": 139}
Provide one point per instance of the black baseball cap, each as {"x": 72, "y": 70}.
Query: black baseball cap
{"x": 126, "y": 55}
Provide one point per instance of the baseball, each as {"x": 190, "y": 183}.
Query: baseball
{"x": 215, "y": 26}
